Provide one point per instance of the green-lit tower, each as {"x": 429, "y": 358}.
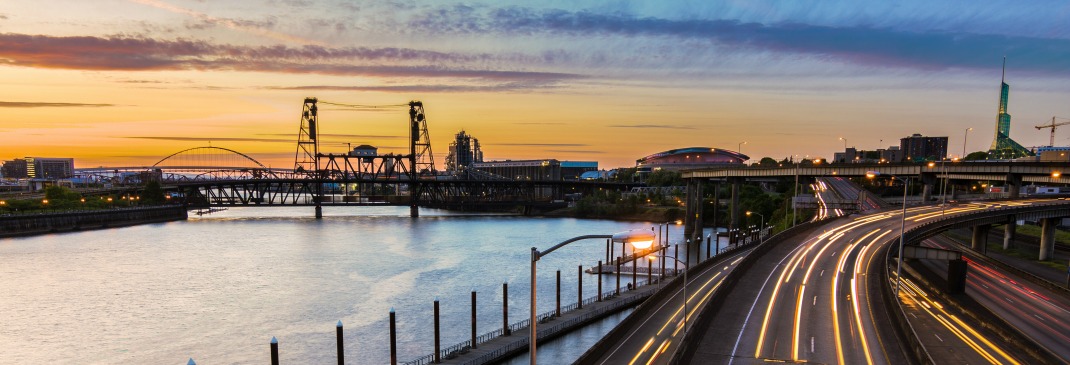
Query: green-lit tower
{"x": 1003, "y": 147}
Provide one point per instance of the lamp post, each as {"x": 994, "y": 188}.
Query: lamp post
{"x": 844, "y": 139}
{"x": 964, "y": 135}
{"x": 902, "y": 228}
{"x": 762, "y": 229}
{"x": 637, "y": 237}
{"x": 739, "y": 148}
{"x": 636, "y": 246}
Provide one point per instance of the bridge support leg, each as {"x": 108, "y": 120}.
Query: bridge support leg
{"x": 505, "y": 310}
{"x": 319, "y": 211}
{"x": 979, "y": 242}
{"x": 1047, "y": 239}
{"x": 693, "y": 221}
{"x": 956, "y": 276}
{"x": 733, "y": 215}
{"x": 926, "y": 193}
{"x": 1010, "y": 231}
{"x": 1014, "y": 185}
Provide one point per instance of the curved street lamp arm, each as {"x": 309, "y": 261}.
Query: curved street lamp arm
{"x": 537, "y": 254}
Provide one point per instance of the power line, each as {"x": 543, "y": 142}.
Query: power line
{"x": 360, "y": 106}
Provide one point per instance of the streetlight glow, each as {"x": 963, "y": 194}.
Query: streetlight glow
{"x": 902, "y": 229}
{"x": 639, "y": 238}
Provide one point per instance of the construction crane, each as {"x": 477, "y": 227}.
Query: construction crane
{"x": 1053, "y": 125}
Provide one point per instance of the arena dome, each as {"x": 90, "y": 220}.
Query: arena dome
{"x": 691, "y": 158}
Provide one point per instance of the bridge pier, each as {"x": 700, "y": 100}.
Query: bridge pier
{"x": 1047, "y": 239}
{"x": 733, "y": 214}
{"x": 693, "y": 218}
{"x": 979, "y": 242}
{"x": 1010, "y": 231}
{"x": 319, "y": 211}
{"x": 956, "y": 276}
{"x": 928, "y": 181}
{"x": 1014, "y": 185}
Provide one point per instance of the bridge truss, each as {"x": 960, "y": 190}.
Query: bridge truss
{"x": 446, "y": 194}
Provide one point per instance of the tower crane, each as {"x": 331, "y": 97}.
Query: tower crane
{"x": 1052, "y": 126}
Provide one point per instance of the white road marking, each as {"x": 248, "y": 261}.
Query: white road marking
{"x": 815, "y": 301}
{"x": 938, "y": 337}
{"x": 822, "y": 273}
{"x": 811, "y": 344}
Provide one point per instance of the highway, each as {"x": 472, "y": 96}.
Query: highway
{"x": 1039, "y": 313}
{"x": 840, "y": 190}
{"x": 819, "y": 301}
{"x": 657, "y": 334}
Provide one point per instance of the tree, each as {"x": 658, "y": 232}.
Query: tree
{"x": 767, "y": 162}
{"x": 979, "y": 155}
{"x": 625, "y": 174}
{"x": 153, "y": 194}
{"x": 662, "y": 178}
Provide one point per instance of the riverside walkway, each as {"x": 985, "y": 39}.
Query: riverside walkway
{"x": 494, "y": 346}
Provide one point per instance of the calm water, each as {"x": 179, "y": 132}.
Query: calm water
{"x": 217, "y": 288}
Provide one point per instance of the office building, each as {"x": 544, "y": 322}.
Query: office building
{"x": 917, "y": 148}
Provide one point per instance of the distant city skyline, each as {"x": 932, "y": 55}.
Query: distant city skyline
{"x": 116, "y": 82}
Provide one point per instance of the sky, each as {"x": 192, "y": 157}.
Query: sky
{"x": 128, "y": 82}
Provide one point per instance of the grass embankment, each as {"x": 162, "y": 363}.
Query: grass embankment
{"x": 645, "y": 214}
{"x": 1027, "y": 253}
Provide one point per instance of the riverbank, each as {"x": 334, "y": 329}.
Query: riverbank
{"x": 643, "y": 214}
{"x": 44, "y": 223}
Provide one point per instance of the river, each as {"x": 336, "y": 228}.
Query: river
{"x": 217, "y": 287}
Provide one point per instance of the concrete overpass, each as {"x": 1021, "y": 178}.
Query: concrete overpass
{"x": 1015, "y": 174}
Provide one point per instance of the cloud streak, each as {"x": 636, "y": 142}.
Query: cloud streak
{"x": 933, "y": 50}
{"x": 215, "y": 139}
{"x": 29, "y": 104}
{"x": 529, "y": 85}
{"x": 651, "y": 126}
{"x": 121, "y": 53}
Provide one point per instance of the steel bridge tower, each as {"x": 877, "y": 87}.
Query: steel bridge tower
{"x": 308, "y": 147}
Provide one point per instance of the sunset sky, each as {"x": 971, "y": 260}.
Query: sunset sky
{"x": 126, "y": 82}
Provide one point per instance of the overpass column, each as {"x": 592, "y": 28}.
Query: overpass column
{"x": 980, "y": 238}
{"x": 693, "y": 209}
{"x": 928, "y": 181}
{"x": 1047, "y": 239}
{"x": 733, "y": 214}
{"x": 1010, "y": 231}
{"x": 1014, "y": 185}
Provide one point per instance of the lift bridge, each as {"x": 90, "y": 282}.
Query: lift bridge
{"x": 319, "y": 179}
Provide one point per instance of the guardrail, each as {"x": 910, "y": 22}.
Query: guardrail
{"x": 463, "y": 347}
{"x": 921, "y": 232}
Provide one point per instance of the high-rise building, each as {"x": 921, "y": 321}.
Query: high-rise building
{"x": 39, "y": 168}
{"x": 15, "y": 169}
{"x": 1003, "y": 147}
{"x": 920, "y": 148}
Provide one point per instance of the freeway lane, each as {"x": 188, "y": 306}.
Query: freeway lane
{"x": 1039, "y": 313}
{"x": 816, "y": 302}
{"x": 658, "y": 332}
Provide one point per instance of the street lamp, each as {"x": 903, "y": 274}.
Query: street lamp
{"x": 762, "y": 229}
{"x": 739, "y": 148}
{"x": 639, "y": 238}
{"x": 964, "y": 135}
{"x": 844, "y": 145}
{"x": 902, "y": 228}
{"x": 651, "y": 257}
